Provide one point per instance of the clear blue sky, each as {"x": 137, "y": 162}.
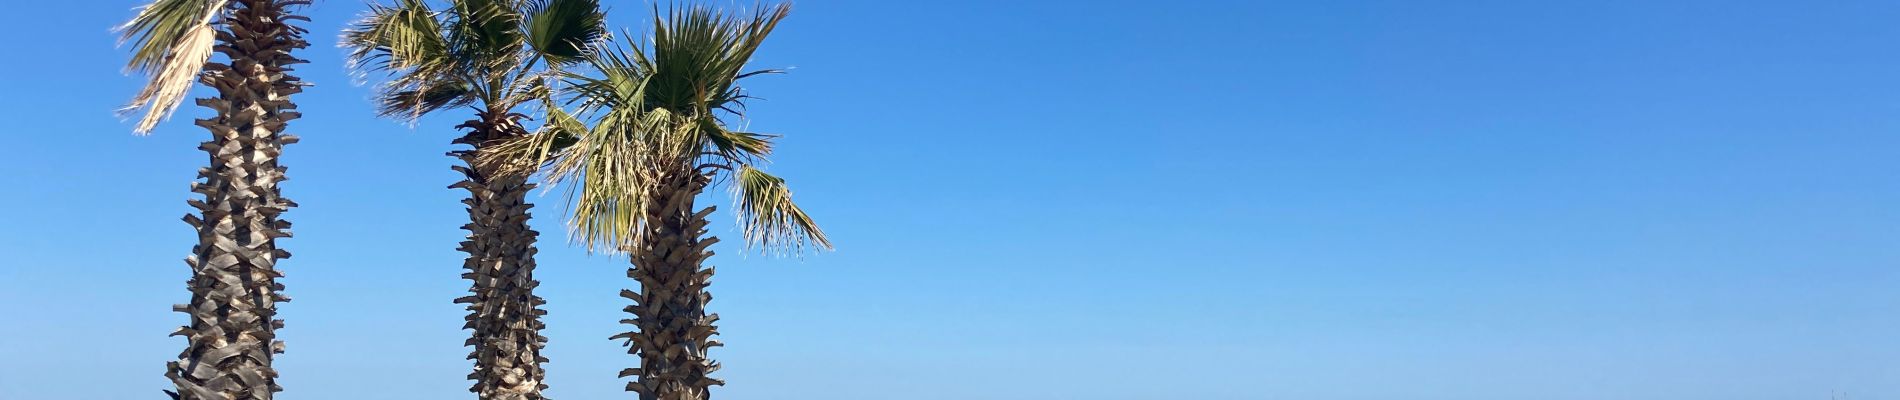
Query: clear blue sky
{"x": 1089, "y": 200}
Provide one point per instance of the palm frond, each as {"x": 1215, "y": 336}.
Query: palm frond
{"x": 621, "y": 82}
{"x": 563, "y": 30}
{"x": 407, "y": 41}
{"x": 398, "y": 39}
{"x": 619, "y": 168}
{"x": 412, "y": 103}
{"x": 171, "y": 41}
{"x": 487, "y": 32}
{"x": 735, "y": 146}
{"x": 769, "y": 217}
{"x": 700, "y": 54}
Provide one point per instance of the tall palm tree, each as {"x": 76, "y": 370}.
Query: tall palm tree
{"x": 231, "y": 339}
{"x": 657, "y": 141}
{"x": 492, "y": 56}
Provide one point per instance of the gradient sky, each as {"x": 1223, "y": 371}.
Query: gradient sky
{"x": 1087, "y": 200}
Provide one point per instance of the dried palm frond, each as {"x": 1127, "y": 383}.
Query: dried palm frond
{"x": 172, "y": 40}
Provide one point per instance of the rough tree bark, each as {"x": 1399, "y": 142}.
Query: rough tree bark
{"x": 503, "y": 310}
{"x": 231, "y": 340}
{"x": 672, "y": 329}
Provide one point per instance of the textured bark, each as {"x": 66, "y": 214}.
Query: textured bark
{"x": 672, "y": 329}
{"x": 503, "y": 310}
{"x": 231, "y": 340}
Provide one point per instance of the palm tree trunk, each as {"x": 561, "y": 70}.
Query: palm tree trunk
{"x": 231, "y": 340}
{"x": 503, "y": 310}
{"x": 673, "y": 331}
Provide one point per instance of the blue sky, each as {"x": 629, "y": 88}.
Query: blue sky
{"x": 1089, "y": 200}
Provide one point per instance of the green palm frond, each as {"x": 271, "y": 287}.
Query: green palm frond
{"x": 395, "y": 39}
{"x": 733, "y": 145}
{"x": 700, "y": 55}
{"x": 487, "y": 32}
{"x": 415, "y": 102}
{"x": 767, "y": 213}
{"x": 563, "y": 30}
{"x": 407, "y": 42}
{"x": 171, "y": 41}
{"x": 620, "y": 82}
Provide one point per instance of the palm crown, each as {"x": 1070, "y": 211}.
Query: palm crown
{"x": 655, "y": 113}
{"x": 474, "y": 51}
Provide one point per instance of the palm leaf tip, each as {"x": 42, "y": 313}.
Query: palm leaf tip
{"x": 768, "y": 215}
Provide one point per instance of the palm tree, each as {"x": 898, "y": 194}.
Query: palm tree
{"x": 231, "y": 339}
{"x": 657, "y": 141}
{"x": 489, "y": 55}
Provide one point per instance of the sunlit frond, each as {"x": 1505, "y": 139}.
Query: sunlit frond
{"x": 769, "y": 217}
{"x": 397, "y": 39}
{"x": 171, "y": 41}
{"x": 616, "y": 170}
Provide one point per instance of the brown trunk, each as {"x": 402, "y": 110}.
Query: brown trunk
{"x": 232, "y": 337}
{"x": 672, "y": 329}
{"x": 503, "y": 310}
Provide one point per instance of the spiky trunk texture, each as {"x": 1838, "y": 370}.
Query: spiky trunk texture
{"x": 503, "y": 310}
{"x": 672, "y": 329}
{"x": 234, "y": 291}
